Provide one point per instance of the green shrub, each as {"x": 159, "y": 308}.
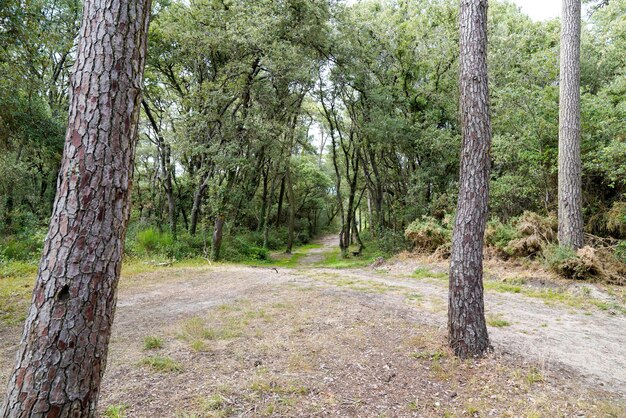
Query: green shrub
{"x": 427, "y": 234}
{"x": 499, "y": 235}
{"x": 151, "y": 241}
{"x": 616, "y": 219}
{"x": 566, "y": 262}
{"x": 389, "y": 242}
{"x": 22, "y": 247}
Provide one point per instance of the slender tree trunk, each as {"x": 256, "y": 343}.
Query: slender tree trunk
{"x": 165, "y": 161}
{"x": 263, "y": 201}
{"x": 292, "y": 210}
{"x": 281, "y": 196}
{"x": 268, "y": 214}
{"x": 63, "y": 351}
{"x": 570, "y": 166}
{"x": 197, "y": 203}
{"x": 467, "y": 330}
{"x": 218, "y": 233}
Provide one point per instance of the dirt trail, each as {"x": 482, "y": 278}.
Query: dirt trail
{"x": 592, "y": 344}
{"x": 589, "y": 346}
{"x": 316, "y": 255}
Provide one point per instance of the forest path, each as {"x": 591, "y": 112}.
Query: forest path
{"x": 337, "y": 319}
{"x": 316, "y": 255}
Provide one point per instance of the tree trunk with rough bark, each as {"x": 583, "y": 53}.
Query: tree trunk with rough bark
{"x": 570, "y": 165}
{"x": 467, "y": 330}
{"x": 63, "y": 351}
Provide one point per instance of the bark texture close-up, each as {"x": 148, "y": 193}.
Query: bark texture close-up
{"x": 63, "y": 351}
{"x": 466, "y": 313}
{"x": 570, "y": 165}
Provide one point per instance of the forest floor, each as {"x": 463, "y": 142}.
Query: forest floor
{"x": 232, "y": 340}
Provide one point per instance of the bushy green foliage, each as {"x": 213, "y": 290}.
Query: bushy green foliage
{"x": 26, "y": 246}
{"x": 566, "y": 262}
{"x": 151, "y": 242}
{"x": 427, "y": 233}
{"x": 499, "y": 235}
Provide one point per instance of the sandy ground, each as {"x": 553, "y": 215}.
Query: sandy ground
{"x": 361, "y": 342}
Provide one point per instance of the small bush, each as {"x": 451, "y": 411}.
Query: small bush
{"x": 499, "y": 235}
{"x": 22, "y": 247}
{"x": 570, "y": 264}
{"x": 389, "y": 242}
{"x": 616, "y": 219}
{"x": 150, "y": 241}
{"x": 535, "y": 232}
{"x": 427, "y": 234}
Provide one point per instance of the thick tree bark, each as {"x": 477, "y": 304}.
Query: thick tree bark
{"x": 467, "y": 330}
{"x": 63, "y": 351}
{"x": 570, "y": 166}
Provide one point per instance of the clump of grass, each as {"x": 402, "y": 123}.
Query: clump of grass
{"x": 116, "y": 411}
{"x": 196, "y": 332}
{"x": 496, "y": 320}
{"x": 213, "y": 403}
{"x": 423, "y": 273}
{"x": 152, "y": 343}
{"x": 434, "y": 356}
{"x": 198, "y": 346}
{"x": 162, "y": 364}
{"x": 533, "y": 376}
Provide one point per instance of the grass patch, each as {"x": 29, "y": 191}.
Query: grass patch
{"x": 16, "y": 287}
{"x": 423, "y": 273}
{"x": 333, "y": 258}
{"x": 434, "y": 355}
{"x": 496, "y": 320}
{"x": 196, "y": 329}
{"x": 368, "y": 286}
{"x": 152, "y": 343}
{"x": 554, "y": 295}
{"x": 162, "y": 364}
{"x": 115, "y": 411}
{"x": 533, "y": 376}
{"x": 284, "y": 260}
{"x": 267, "y": 387}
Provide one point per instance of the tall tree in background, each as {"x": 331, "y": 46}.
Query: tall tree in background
{"x": 63, "y": 351}
{"x": 466, "y": 314}
{"x": 570, "y": 165}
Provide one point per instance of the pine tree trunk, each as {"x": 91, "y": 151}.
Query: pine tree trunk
{"x": 466, "y": 317}
{"x": 570, "y": 166}
{"x": 63, "y": 351}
